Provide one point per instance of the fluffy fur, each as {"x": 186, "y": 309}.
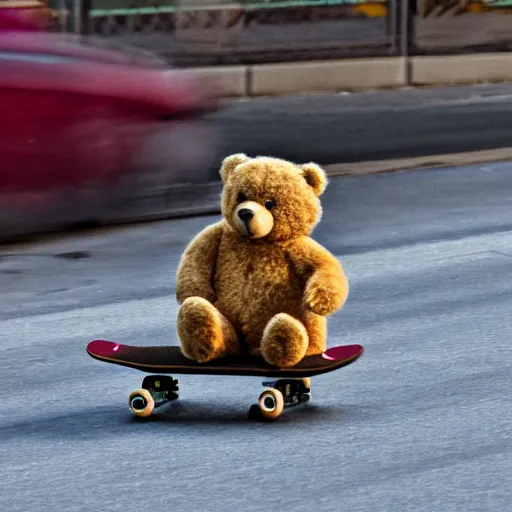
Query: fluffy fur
{"x": 255, "y": 281}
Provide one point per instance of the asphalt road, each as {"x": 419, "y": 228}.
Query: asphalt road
{"x": 339, "y": 128}
{"x": 422, "y": 422}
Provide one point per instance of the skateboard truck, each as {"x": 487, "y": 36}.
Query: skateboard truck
{"x": 281, "y": 394}
{"x": 156, "y": 392}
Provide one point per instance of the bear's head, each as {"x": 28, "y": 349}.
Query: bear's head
{"x": 270, "y": 198}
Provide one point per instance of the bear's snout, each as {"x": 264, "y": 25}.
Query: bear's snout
{"x": 252, "y": 220}
{"x": 245, "y": 214}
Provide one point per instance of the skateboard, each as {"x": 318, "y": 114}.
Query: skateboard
{"x": 285, "y": 388}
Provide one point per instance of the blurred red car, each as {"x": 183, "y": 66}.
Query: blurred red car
{"x": 86, "y": 128}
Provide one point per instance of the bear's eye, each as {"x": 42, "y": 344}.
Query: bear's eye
{"x": 269, "y": 204}
{"x": 241, "y": 197}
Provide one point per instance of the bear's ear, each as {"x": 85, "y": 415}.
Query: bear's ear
{"x": 315, "y": 177}
{"x": 229, "y": 164}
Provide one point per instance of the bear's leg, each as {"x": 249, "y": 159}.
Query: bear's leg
{"x": 316, "y": 325}
{"x": 204, "y": 332}
{"x": 285, "y": 341}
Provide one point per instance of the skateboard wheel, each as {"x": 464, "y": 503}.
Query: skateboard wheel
{"x": 305, "y": 397}
{"x": 141, "y": 403}
{"x": 271, "y": 403}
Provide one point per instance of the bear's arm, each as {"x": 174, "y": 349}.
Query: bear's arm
{"x": 326, "y": 287}
{"x": 194, "y": 277}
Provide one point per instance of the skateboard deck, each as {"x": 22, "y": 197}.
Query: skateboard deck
{"x": 170, "y": 359}
{"x": 289, "y": 387}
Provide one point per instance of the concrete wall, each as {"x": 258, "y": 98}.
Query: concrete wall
{"x": 358, "y": 74}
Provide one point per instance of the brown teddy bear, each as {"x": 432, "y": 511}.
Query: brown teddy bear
{"x": 255, "y": 282}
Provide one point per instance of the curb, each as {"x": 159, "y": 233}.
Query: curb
{"x": 357, "y": 74}
{"x": 420, "y": 162}
{"x": 323, "y": 76}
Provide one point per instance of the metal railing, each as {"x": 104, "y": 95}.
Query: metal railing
{"x": 210, "y": 32}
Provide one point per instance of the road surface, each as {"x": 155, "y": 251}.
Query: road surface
{"x": 422, "y": 422}
{"x": 341, "y": 128}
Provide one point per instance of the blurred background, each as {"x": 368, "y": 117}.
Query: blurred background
{"x": 120, "y": 110}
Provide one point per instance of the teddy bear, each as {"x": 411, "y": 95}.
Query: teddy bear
{"x": 255, "y": 282}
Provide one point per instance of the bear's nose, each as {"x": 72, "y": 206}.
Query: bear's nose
{"x": 245, "y": 214}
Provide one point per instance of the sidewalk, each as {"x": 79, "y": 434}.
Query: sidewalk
{"x": 469, "y": 29}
